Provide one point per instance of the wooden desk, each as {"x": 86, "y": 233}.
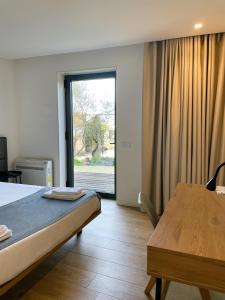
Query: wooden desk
{"x": 188, "y": 244}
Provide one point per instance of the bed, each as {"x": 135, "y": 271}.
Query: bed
{"x": 20, "y": 257}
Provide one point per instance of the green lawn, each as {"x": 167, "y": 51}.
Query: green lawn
{"x": 95, "y": 169}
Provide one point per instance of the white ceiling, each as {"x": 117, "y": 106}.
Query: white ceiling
{"x": 42, "y": 27}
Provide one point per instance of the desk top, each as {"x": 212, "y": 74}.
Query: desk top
{"x": 193, "y": 224}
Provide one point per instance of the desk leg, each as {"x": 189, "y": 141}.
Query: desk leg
{"x": 158, "y": 289}
{"x": 205, "y": 294}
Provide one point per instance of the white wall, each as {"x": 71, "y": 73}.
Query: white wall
{"x": 8, "y": 109}
{"x": 37, "y": 89}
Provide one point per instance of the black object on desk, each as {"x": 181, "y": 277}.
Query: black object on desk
{"x": 5, "y": 175}
{"x": 211, "y": 185}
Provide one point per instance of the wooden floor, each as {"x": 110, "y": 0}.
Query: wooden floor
{"x": 107, "y": 262}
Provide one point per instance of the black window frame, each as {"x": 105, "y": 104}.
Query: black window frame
{"x": 68, "y": 79}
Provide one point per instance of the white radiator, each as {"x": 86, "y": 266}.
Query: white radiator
{"x": 35, "y": 171}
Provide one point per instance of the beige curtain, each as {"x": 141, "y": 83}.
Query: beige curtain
{"x": 183, "y": 115}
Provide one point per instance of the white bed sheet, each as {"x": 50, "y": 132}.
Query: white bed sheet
{"x": 19, "y": 256}
{"x": 10, "y": 192}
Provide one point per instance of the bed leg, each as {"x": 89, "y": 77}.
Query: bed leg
{"x": 79, "y": 233}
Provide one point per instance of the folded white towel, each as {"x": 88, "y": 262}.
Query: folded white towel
{"x": 69, "y": 197}
{"x": 5, "y": 233}
{"x": 3, "y": 229}
{"x": 65, "y": 191}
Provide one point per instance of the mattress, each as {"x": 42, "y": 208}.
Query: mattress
{"x": 19, "y": 256}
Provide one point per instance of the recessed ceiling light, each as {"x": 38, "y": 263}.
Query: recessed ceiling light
{"x": 198, "y": 25}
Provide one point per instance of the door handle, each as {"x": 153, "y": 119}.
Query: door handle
{"x": 112, "y": 143}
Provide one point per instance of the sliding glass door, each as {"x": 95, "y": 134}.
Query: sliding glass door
{"x": 90, "y": 132}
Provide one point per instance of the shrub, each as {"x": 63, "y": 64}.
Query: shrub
{"x": 78, "y": 162}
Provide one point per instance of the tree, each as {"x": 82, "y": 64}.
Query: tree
{"x": 94, "y": 134}
{"x": 82, "y": 99}
{"x": 90, "y": 127}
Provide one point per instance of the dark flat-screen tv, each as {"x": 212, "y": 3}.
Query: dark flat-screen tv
{"x": 3, "y": 154}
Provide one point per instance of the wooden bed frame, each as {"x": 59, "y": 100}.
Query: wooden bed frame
{"x": 8, "y": 285}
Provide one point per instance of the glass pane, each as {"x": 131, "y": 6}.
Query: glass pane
{"x": 94, "y": 134}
